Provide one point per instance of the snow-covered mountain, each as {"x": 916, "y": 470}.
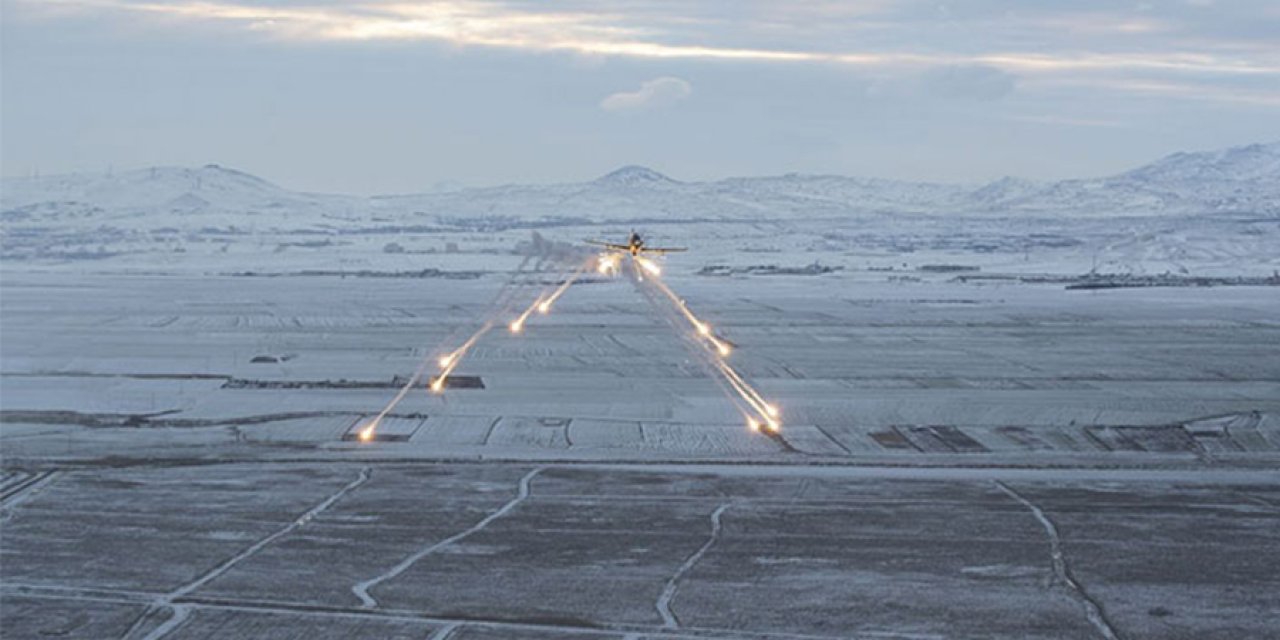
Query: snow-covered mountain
{"x": 183, "y": 196}
{"x": 1215, "y": 212}
{"x": 1241, "y": 179}
{"x": 632, "y": 176}
{"x": 1252, "y": 163}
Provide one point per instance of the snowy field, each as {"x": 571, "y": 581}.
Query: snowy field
{"x": 958, "y": 459}
{"x": 155, "y": 366}
{"x": 972, "y": 446}
{"x": 517, "y": 551}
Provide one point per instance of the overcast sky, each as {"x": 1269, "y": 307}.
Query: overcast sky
{"x": 393, "y": 96}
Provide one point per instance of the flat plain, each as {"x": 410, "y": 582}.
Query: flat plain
{"x": 957, "y": 460}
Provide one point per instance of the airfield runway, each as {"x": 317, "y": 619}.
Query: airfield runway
{"x": 956, "y": 461}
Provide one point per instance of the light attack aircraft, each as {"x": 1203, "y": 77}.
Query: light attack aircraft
{"x": 635, "y": 246}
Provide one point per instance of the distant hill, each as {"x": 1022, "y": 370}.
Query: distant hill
{"x": 1240, "y": 179}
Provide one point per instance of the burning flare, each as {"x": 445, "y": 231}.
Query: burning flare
{"x": 545, "y": 305}
{"x": 768, "y": 415}
{"x": 648, "y": 265}
{"x": 542, "y": 304}
{"x": 607, "y": 263}
{"x": 703, "y": 329}
{"x": 451, "y": 360}
{"x": 517, "y": 325}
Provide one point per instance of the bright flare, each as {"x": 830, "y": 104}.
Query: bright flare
{"x": 451, "y": 361}
{"x": 545, "y": 305}
{"x": 517, "y": 325}
{"x": 749, "y": 395}
{"x": 366, "y": 434}
{"x": 701, "y": 328}
{"x": 649, "y": 265}
{"x": 543, "y": 302}
{"x": 768, "y": 413}
{"x": 606, "y": 263}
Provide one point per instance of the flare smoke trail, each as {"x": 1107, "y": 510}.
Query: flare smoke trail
{"x": 768, "y": 414}
{"x": 366, "y": 433}
{"x": 450, "y": 361}
{"x": 545, "y": 307}
{"x": 733, "y": 393}
{"x": 701, "y": 328}
{"x": 517, "y": 325}
{"x": 500, "y": 301}
{"x": 542, "y": 304}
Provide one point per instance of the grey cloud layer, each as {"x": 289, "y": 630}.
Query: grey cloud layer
{"x": 377, "y": 94}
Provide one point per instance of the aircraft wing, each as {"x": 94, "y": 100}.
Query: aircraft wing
{"x": 662, "y": 250}
{"x": 601, "y": 243}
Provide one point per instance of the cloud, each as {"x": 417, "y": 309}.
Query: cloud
{"x": 1183, "y": 91}
{"x": 652, "y": 34}
{"x": 652, "y": 94}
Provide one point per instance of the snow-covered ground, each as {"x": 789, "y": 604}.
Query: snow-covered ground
{"x": 134, "y": 365}
{"x": 1203, "y": 214}
{"x": 969, "y": 447}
